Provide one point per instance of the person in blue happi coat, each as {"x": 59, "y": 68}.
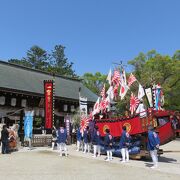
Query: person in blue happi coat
{"x": 79, "y": 139}
{"x": 96, "y": 140}
{"x": 108, "y": 142}
{"x": 62, "y": 138}
{"x": 124, "y": 144}
{"x": 153, "y": 145}
{"x": 87, "y": 140}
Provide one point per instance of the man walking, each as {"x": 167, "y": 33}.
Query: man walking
{"x": 62, "y": 138}
{"x": 153, "y": 145}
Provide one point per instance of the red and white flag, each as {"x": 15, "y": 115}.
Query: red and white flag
{"x": 96, "y": 108}
{"x": 124, "y": 88}
{"x": 103, "y": 92}
{"x": 105, "y": 104}
{"x": 108, "y": 103}
{"x": 134, "y": 102}
{"x": 116, "y": 77}
{"x": 124, "y": 77}
{"x": 84, "y": 123}
{"x": 131, "y": 79}
{"x": 115, "y": 90}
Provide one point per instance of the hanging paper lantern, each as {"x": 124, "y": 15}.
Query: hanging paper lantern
{"x": 23, "y": 102}
{"x": 2, "y": 100}
{"x": 13, "y": 102}
{"x": 65, "y": 107}
{"x": 72, "y": 108}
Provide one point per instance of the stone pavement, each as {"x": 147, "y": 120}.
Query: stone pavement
{"x": 43, "y": 163}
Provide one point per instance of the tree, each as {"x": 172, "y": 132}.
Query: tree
{"x": 59, "y": 63}
{"x": 20, "y": 62}
{"x": 56, "y": 62}
{"x": 163, "y": 70}
{"x": 138, "y": 63}
{"x": 176, "y": 55}
{"x": 94, "y": 82}
{"x": 37, "y": 58}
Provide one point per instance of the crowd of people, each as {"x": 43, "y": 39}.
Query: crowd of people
{"x": 90, "y": 142}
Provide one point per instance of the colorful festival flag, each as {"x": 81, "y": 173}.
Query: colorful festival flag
{"x": 103, "y": 104}
{"x": 148, "y": 92}
{"x": 115, "y": 90}
{"x": 84, "y": 123}
{"x": 96, "y": 107}
{"x": 123, "y": 90}
{"x": 124, "y": 77}
{"x": 108, "y": 103}
{"x": 157, "y": 92}
{"x": 103, "y": 92}
{"x": 131, "y": 79}
{"x": 134, "y": 102}
{"x": 140, "y": 92}
{"x": 116, "y": 77}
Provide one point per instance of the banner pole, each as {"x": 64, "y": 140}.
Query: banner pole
{"x": 79, "y": 102}
{"x": 53, "y": 100}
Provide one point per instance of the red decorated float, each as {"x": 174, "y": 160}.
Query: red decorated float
{"x": 140, "y": 117}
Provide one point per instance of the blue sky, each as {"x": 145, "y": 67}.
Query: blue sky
{"x": 94, "y": 32}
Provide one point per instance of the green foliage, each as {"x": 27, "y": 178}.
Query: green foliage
{"x": 59, "y": 63}
{"x": 150, "y": 68}
{"x": 165, "y": 70}
{"x": 37, "y": 58}
{"x": 55, "y": 63}
{"x": 37, "y": 121}
{"x": 20, "y": 62}
{"x": 176, "y": 55}
{"x": 94, "y": 81}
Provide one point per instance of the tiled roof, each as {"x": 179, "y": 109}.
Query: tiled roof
{"x": 29, "y": 80}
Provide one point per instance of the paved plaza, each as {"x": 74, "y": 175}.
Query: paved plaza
{"x": 45, "y": 164}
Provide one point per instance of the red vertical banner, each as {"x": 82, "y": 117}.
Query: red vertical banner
{"x": 48, "y": 97}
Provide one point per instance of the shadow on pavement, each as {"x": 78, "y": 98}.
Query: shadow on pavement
{"x": 148, "y": 164}
{"x": 166, "y": 159}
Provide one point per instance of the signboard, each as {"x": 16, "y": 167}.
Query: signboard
{"x": 48, "y": 98}
{"x": 83, "y": 106}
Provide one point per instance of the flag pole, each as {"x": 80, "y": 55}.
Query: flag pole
{"x": 79, "y": 101}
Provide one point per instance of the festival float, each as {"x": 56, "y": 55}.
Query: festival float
{"x": 139, "y": 118}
